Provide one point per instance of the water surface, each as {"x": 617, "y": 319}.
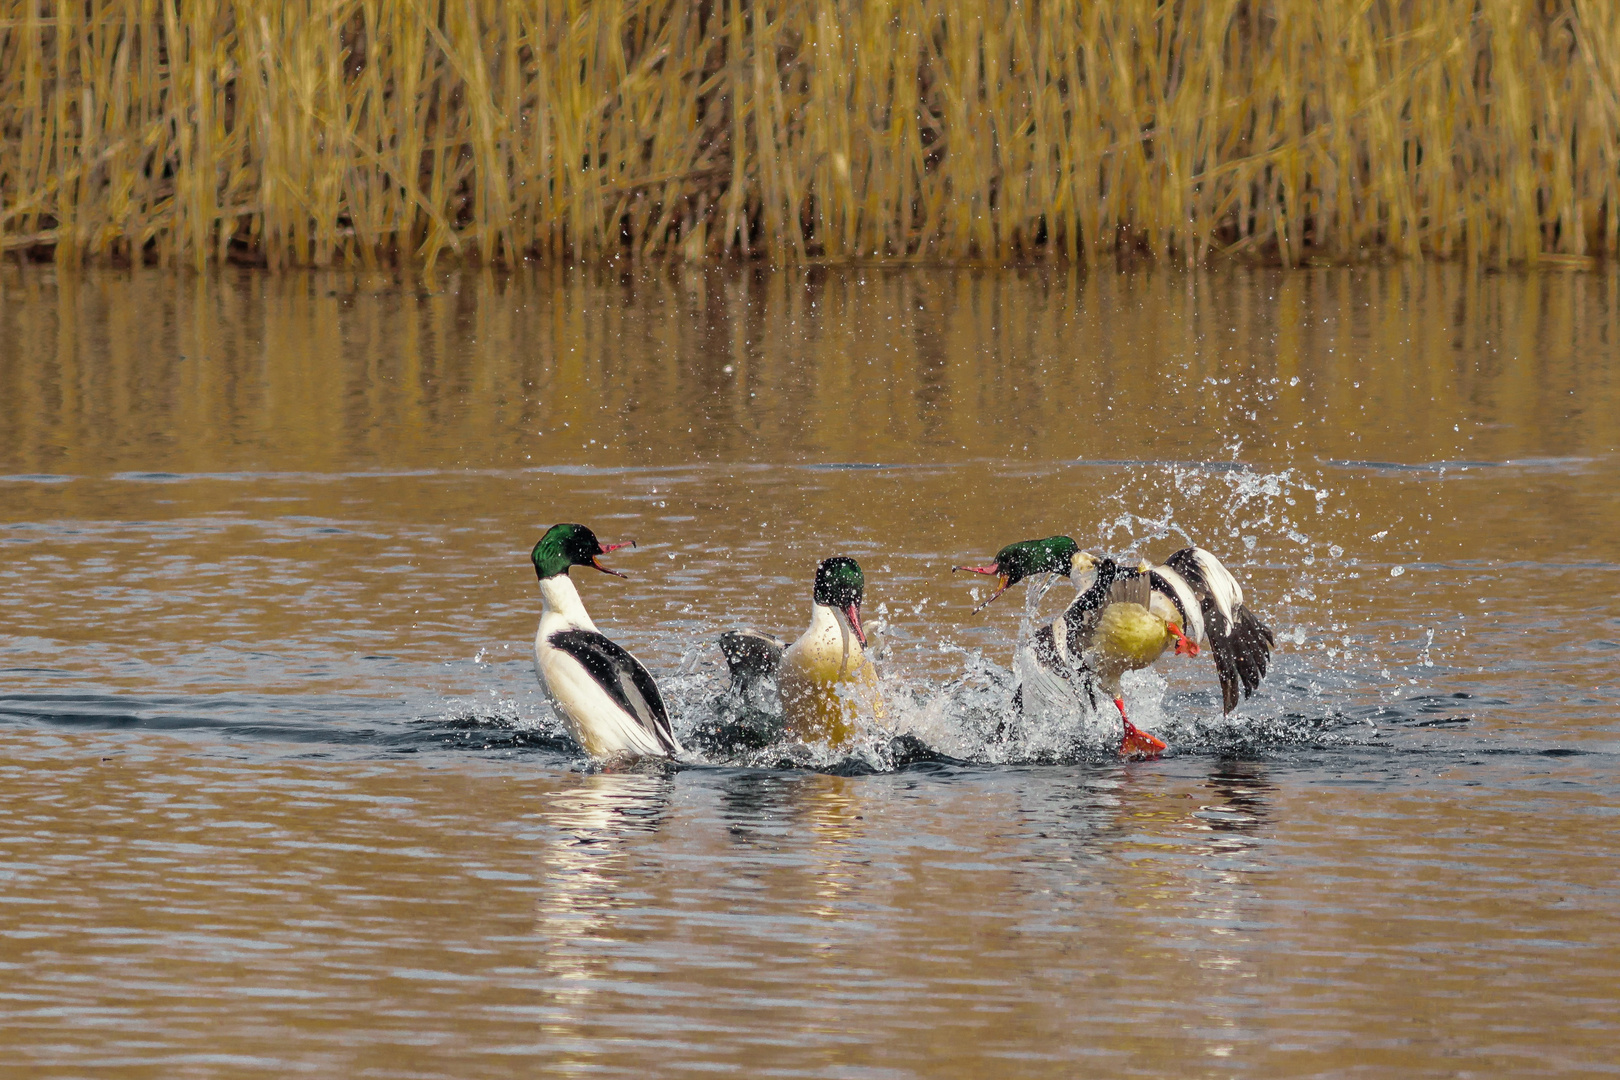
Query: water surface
{"x": 281, "y": 793}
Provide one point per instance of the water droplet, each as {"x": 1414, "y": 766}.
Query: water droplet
{"x": 1335, "y": 551}
{"x": 1396, "y": 571}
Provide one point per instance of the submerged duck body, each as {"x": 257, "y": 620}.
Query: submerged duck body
{"x": 604, "y": 696}
{"x": 826, "y": 681}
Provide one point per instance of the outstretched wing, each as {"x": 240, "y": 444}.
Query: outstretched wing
{"x": 1054, "y": 676}
{"x": 1239, "y": 641}
{"x": 751, "y": 656}
{"x": 623, "y": 678}
{"x": 1217, "y": 590}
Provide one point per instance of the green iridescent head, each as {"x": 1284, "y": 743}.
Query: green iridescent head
{"x": 1015, "y": 562}
{"x": 840, "y": 585}
{"x": 1053, "y": 555}
{"x": 569, "y": 545}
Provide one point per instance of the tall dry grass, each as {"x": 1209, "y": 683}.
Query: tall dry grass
{"x": 358, "y": 131}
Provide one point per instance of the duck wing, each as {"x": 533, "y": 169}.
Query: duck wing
{"x": 623, "y": 678}
{"x": 1130, "y": 587}
{"x": 1085, "y": 611}
{"x": 1054, "y": 676}
{"x": 1239, "y": 641}
{"x": 1169, "y": 584}
{"x": 751, "y": 657}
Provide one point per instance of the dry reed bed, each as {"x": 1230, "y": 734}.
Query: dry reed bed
{"x": 366, "y": 131}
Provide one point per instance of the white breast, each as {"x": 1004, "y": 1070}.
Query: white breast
{"x": 827, "y": 650}
{"x": 594, "y": 719}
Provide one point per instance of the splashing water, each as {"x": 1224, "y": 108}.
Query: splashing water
{"x": 1315, "y": 694}
{"x": 949, "y": 701}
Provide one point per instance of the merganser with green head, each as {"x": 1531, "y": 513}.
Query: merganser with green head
{"x": 1127, "y": 617}
{"x": 606, "y": 698}
{"x": 826, "y": 681}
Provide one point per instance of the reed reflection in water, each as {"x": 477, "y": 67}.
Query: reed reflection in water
{"x": 335, "y": 372}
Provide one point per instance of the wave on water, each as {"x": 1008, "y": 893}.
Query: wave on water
{"x": 973, "y": 720}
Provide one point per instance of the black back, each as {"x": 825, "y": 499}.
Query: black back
{"x": 624, "y": 679}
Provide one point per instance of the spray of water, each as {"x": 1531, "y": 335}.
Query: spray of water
{"x": 1282, "y": 533}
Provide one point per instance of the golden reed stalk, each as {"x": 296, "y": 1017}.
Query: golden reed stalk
{"x": 318, "y": 132}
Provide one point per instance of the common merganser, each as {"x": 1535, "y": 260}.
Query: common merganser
{"x": 1126, "y": 618}
{"x": 607, "y": 699}
{"x": 826, "y": 681}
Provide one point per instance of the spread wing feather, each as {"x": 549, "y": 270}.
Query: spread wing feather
{"x": 1130, "y": 587}
{"x": 1173, "y": 587}
{"x": 1239, "y": 641}
{"x": 623, "y": 678}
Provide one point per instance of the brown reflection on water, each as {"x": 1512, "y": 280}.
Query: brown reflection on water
{"x": 339, "y": 371}
{"x": 361, "y": 462}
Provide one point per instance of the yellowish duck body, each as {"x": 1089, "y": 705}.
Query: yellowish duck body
{"x": 1129, "y": 637}
{"x": 828, "y": 683}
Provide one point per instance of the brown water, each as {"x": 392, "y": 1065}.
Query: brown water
{"x": 280, "y": 794}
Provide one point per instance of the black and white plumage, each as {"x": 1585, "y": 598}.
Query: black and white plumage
{"x": 1105, "y": 631}
{"x": 606, "y": 698}
{"x": 622, "y": 677}
{"x": 1126, "y": 617}
{"x": 1240, "y": 643}
{"x": 1058, "y": 647}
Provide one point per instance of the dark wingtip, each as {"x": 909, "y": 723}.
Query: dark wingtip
{"x": 751, "y": 656}
{"x": 1226, "y": 666}
{"x": 1252, "y": 641}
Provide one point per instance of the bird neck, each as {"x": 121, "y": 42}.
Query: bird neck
{"x": 561, "y": 605}
{"x": 830, "y": 630}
